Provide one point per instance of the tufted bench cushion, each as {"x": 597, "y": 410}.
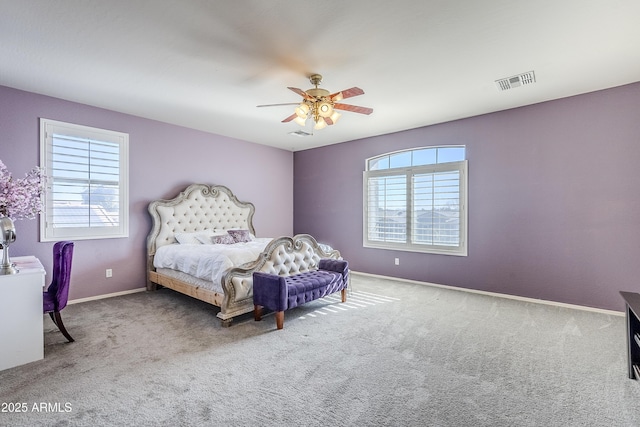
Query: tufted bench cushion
{"x": 280, "y": 293}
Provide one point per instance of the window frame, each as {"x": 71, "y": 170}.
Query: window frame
{"x": 48, "y": 231}
{"x": 409, "y": 172}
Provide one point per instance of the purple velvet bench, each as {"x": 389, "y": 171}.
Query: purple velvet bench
{"x": 280, "y": 293}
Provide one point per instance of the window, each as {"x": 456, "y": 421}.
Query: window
{"x": 87, "y": 182}
{"x": 416, "y": 200}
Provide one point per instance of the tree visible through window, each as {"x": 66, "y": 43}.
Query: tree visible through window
{"x": 87, "y": 188}
{"x": 415, "y": 200}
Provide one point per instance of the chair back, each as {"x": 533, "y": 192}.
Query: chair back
{"x": 62, "y": 256}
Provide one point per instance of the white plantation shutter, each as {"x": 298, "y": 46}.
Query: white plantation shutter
{"x": 387, "y": 200}
{"x": 420, "y": 208}
{"x": 436, "y": 209}
{"x": 87, "y": 170}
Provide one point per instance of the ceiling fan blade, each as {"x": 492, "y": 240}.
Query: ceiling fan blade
{"x": 353, "y": 108}
{"x": 291, "y": 117}
{"x": 348, "y": 93}
{"x": 328, "y": 121}
{"x": 300, "y": 92}
{"x": 278, "y": 105}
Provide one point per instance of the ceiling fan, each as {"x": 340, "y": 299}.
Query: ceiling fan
{"x": 320, "y": 105}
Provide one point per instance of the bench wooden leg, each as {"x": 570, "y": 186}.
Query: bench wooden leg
{"x": 344, "y": 295}
{"x": 279, "y": 319}
{"x": 257, "y": 313}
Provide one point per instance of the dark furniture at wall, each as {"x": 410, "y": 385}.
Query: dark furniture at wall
{"x": 632, "y": 301}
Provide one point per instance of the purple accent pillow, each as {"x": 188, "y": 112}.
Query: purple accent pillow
{"x": 240, "y": 236}
{"x": 225, "y": 239}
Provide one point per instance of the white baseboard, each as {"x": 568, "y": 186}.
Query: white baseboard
{"x": 496, "y": 294}
{"x": 115, "y": 294}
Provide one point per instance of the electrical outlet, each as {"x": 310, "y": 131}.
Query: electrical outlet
{"x": 109, "y": 272}
{"x": 397, "y": 261}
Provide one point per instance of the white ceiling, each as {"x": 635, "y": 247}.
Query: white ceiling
{"x": 207, "y": 64}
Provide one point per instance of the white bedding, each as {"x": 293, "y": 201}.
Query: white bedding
{"x": 208, "y": 262}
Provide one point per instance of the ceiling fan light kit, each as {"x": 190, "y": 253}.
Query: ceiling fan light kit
{"x": 320, "y": 105}
{"x": 325, "y": 109}
{"x": 320, "y": 124}
{"x": 302, "y": 121}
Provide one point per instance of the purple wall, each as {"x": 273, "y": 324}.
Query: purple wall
{"x": 554, "y": 210}
{"x": 163, "y": 160}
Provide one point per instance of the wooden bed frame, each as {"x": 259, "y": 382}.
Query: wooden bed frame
{"x": 206, "y": 207}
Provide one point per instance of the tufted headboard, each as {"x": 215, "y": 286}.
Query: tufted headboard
{"x": 199, "y": 207}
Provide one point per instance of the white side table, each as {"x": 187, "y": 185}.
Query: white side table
{"x": 21, "y": 323}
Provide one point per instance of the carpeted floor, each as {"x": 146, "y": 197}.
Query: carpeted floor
{"x": 396, "y": 354}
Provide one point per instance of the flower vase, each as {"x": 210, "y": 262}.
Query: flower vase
{"x": 7, "y": 236}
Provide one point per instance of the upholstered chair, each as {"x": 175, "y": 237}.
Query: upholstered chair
{"x": 56, "y": 296}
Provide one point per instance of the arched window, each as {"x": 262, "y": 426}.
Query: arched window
{"x": 416, "y": 200}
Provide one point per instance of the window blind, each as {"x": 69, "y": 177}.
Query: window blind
{"x": 85, "y": 182}
{"x": 436, "y": 209}
{"x": 387, "y": 202}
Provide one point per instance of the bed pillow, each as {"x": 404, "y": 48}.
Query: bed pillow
{"x": 187, "y": 238}
{"x": 224, "y": 239}
{"x": 207, "y": 239}
{"x": 194, "y": 238}
{"x": 240, "y": 236}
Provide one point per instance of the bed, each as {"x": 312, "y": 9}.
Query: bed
{"x": 187, "y": 250}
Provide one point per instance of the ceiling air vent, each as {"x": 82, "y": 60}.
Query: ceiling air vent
{"x": 515, "y": 81}
{"x": 300, "y": 133}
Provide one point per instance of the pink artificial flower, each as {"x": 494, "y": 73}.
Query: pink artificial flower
{"x": 21, "y": 198}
